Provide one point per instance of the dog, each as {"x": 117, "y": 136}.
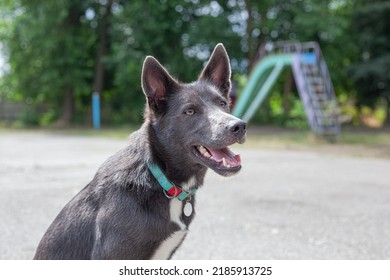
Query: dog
{"x": 140, "y": 203}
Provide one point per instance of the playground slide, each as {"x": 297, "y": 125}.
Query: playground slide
{"x": 260, "y": 83}
{"x": 313, "y": 83}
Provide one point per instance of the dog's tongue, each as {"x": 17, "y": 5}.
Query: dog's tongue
{"x": 231, "y": 158}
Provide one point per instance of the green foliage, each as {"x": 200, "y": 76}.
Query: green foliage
{"x": 30, "y": 116}
{"x": 52, "y": 49}
{"x": 370, "y": 73}
{"x": 177, "y": 33}
{"x": 48, "y": 49}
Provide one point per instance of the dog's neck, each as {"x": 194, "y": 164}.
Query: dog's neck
{"x": 188, "y": 175}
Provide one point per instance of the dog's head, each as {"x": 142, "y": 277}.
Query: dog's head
{"x": 193, "y": 121}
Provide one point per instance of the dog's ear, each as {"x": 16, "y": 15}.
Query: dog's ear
{"x": 157, "y": 84}
{"x": 217, "y": 70}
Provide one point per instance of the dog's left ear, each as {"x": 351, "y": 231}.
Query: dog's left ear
{"x": 217, "y": 70}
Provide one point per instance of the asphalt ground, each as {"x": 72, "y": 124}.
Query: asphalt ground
{"x": 284, "y": 204}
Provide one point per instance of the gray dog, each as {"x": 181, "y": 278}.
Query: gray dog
{"x": 140, "y": 202}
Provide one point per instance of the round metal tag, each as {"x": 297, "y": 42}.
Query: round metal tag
{"x": 187, "y": 209}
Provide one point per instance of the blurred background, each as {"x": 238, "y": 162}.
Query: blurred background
{"x": 298, "y": 196}
{"x": 55, "y": 54}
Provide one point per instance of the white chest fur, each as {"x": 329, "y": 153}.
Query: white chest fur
{"x": 166, "y": 247}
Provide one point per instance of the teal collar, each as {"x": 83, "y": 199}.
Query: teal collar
{"x": 170, "y": 189}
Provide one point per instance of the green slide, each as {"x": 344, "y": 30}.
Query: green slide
{"x": 260, "y": 83}
{"x": 312, "y": 80}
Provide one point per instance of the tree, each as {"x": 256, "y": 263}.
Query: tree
{"x": 371, "y": 24}
{"x": 59, "y": 52}
{"x": 102, "y": 49}
{"x": 176, "y": 32}
{"x": 49, "y": 53}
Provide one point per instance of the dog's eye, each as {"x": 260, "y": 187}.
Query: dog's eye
{"x": 189, "y": 112}
{"x": 223, "y": 103}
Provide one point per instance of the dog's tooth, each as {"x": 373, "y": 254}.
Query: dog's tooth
{"x": 224, "y": 163}
{"x": 203, "y": 151}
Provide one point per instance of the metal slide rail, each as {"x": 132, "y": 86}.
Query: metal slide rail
{"x": 311, "y": 77}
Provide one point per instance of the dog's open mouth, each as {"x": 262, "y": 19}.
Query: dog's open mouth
{"x": 223, "y": 161}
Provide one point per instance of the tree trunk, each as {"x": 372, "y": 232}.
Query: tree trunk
{"x": 249, "y": 30}
{"x": 387, "y": 119}
{"x": 98, "y": 84}
{"x": 253, "y": 42}
{"x": 67, "y": 107}
{"x": 71, "y": 23}
{"x": 288, "y": 86}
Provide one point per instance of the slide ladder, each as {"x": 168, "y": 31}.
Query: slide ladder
{"x": 311, "y": 78}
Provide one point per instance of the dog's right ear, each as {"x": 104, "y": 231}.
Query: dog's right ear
{"x": 157, "y": 84}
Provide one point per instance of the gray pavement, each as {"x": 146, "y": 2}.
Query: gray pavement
{"x": 282, "y": 205}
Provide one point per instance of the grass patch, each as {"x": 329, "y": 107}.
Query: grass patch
{"x": 117, "y": 132}
{"x": 366, "y": 139}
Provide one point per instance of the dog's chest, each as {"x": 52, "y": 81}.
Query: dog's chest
{"x": 169, "y": 245}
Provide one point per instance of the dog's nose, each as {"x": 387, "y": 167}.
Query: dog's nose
{"x": 238, "y": 128}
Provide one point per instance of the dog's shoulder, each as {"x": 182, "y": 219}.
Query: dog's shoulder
{"x": 127, "y": 168}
